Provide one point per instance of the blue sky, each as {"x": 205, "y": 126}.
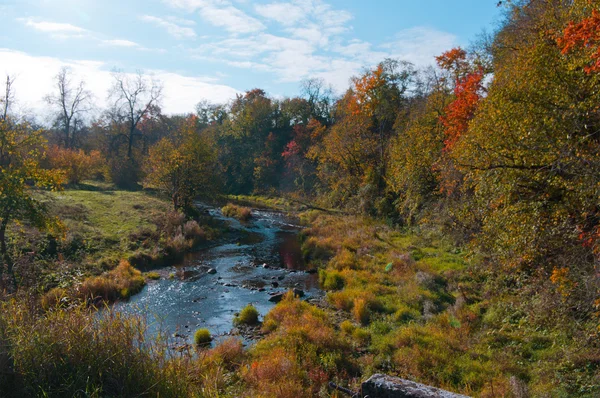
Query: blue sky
{"x": 212, "y": 49}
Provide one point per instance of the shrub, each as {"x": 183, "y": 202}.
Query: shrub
{"x": 347, "y": 327}
{"x": 406, "y": 314}
{"x": 361, "y": 311}
{"x": 192, "y": 230}
{"x": 202, "y": 337}
{"x": 247, "y": 316}
{"x": 239, "y": 212}
{"x": 153, "y": 275}
{"x": 229, "y": 353}
{"x": 54, "y": 298}
{"x": 122, "y": 282}
{"x": 331, "y": 280}
{"x": 124, "y": 173}
{"x": 76, "y": 165}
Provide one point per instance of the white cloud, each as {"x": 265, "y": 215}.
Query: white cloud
{"x": 35, "y": 76}
{"x": 173, "y": 26}
{"x": 312, "y": 19}
{"x": 284, "y": 13}
{"x": 57, "y": 30}
{"x": 419, "y": 45}
{"x": 221, "y": 13}
{"x": 120, "y": 43}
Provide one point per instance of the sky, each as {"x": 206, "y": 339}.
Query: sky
{"x": 214, "y": 49}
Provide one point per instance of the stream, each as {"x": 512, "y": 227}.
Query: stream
{"x": 253, "y": 261}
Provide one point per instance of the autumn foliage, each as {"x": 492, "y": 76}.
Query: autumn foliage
{"x": 584, "y": 36}
{"x": 75, "y": 164}
{"x": 468, "y": 92}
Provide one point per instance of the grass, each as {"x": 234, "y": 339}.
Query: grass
{"x": 75, "y": 353}
{"x": 400, "y": 303}
{"x": 103, "y": 220}
{"x": 235, "y": 211}
{"x": 268, "y": 202}
{"x": 104, "y": 226}
{"x": 119, "y": 283}
{"x": 202, "y": 337}
{"x": 247, "y": 316}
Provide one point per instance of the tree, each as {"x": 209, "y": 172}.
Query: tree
{"x": 530, "y": 155}
{"x": 584, "y": 36}
{"x": 8, "y": 97}
{"x": 353, "y": 156}
{"x": 134, "y": 97}
{"x": 20, "y": 177}
{"x": 183, "y": 168}
{"x": 319, "y": 98}
{"x": 71, "y": 101}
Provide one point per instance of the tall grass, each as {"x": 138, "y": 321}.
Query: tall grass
{"x": 76, "y": 353}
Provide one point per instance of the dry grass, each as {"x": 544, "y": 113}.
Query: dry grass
{"x": 235, "y": 211}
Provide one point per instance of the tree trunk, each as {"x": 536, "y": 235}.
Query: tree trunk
{"x": 130, "y": 144}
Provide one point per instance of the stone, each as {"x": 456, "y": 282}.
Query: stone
{"x": 382, "y": 386}
{"x": 298, "y": 293}
{"x": 281, "y": 277}
{"x": 276, "y": 298}
{"x": 275, "y": 284}
{"x": 211, "y": 271}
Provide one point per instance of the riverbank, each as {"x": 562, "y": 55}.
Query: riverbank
{"x": 403, "y": 303}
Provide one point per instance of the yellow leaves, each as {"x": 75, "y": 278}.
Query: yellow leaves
{"x": 560, "y": 278}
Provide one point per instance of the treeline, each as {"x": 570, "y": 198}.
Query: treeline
{"x": 498, "y": 146}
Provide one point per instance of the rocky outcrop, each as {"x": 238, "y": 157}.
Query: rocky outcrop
{"x": 382, "y": 386}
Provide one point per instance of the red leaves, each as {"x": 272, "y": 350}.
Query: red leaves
{"x": 584, "y": 35}
{"x": 468, "y": 92}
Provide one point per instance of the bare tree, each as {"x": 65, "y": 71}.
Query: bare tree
{"x": 134, "y": 97}
{"x": 71, "y": 101}
{"x": 8, "y": 97}
{"x": 319, "y": 97}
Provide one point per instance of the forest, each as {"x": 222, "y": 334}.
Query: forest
{"x": 452, "y": 213}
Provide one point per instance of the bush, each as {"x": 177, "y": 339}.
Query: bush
{"x": 347, "y": 327}
{"x": 248, "y": 316}
{"x": 153, "y": 275}
{"x": 331, "y": 280}
{"x": 202, "y": 337}
{"x": 239, "y": 212}
{"x": 122, "y": 282}
{"x": 76, "y": 165}
{"x": 54, "y": 298}
{"x": 125, "y": 173}
{"x": 192, "y": 230}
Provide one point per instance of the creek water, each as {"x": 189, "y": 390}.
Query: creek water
{"x": 253, "y": 261}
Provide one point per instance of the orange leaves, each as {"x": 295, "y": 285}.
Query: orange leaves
{"x": 468, "y": 92}
{"x": 365, "y": 98}
{"x": 453, "y": 60}
{"x": 75, "y": 165}
{"x": 584, "y": 36}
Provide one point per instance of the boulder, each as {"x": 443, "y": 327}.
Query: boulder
{"x": 276, "y": 298}
{"x": 382, "y": 386}
{"x": 211, "y": 271}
